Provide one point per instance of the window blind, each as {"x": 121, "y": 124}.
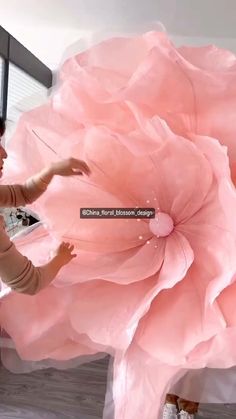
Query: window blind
{"x": 24, "y": 93}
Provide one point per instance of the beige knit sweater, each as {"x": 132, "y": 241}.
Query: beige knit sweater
{"x": 16, "y": 270}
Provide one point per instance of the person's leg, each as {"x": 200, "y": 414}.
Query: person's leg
{"x": 172, "y": 399}
{"x": 170, "y": 410}
{"x": 187, "y": 408}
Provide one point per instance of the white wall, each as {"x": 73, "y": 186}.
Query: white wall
{"x": 48, "y": 27}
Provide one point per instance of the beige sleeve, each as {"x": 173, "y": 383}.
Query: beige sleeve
{"x": 16, "y": 270}
{"x": 21, "y": 195}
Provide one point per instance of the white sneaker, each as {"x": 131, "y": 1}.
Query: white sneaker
{"x": 185, "y": 415}
{"x": 170, "y": 411}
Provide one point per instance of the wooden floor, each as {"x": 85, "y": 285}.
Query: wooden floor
{"x": 76, "y": 394}
{"x": 217, "y": 411}
{"x": 52, "y": 394}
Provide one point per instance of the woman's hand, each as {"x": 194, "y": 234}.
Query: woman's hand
{"x": 70, "y": 167}
{"x": 67, "y": 167}
{"x": 59, "y": 258}
{"x": 64, "y": 253}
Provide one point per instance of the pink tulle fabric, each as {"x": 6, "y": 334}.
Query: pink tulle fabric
{"x": 156, "y": 125}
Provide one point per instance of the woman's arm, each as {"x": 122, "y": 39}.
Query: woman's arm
{"x": 19, "y": 273}
{"x": 33, "y": 188}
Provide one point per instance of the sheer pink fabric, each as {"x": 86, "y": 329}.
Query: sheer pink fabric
{"x": 149, "y": 119}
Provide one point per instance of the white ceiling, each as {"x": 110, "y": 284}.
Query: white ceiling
{"x": 48, "y": 27}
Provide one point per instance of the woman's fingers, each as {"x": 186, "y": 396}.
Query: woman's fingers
{"x": 80, "y": 166}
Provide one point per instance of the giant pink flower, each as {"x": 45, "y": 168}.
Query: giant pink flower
{"x": 142, "y": 290}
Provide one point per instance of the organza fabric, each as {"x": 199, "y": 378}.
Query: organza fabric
{"x": 156, "y": 125}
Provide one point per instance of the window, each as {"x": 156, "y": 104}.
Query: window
{"x": 24, "y": 93}
{"x": 24, "y": 84}
{"x": 24, "y": 76}
{"x": 1, "y": 84}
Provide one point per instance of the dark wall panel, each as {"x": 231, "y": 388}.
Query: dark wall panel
{"x": 13, "y": 51}
{"x": 4, "y": 42}
{"x": 24, "y": 59}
